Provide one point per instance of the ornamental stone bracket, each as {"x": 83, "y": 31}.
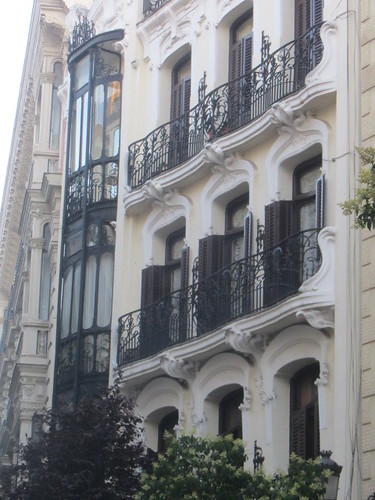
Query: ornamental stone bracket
{"x": 219, "y": 161}
{"x": 178, "y": 368}
{"x": 246, "y": 342}
{"x": 286, "y": 120}
{"x": 320, "y": 319}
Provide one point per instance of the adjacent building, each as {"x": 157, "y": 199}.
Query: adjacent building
{"x": 203, "y": 257}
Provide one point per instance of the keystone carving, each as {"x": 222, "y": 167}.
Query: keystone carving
{"x": 246, "y": 342}
{"x": 286, "y": 120}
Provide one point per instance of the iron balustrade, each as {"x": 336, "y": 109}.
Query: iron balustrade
{"x": 151, "y": 6}
{"x": 227, "y": 108}
{"x": 245, "y": 287}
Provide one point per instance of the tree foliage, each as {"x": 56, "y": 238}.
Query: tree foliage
{"x": 207, "y": 469}
{"x": 93, "y": 452}
{"x": 363, "y": 204}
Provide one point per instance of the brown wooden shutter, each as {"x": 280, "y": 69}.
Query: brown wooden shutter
{"x": 308, "y": 13}
{"x": 186, "y": 88}
{"x": 247, "y": 50}
{"x": 247, "y": 234}
{"x": 298, "y": 432}
{"x": 210, "y": 256}
{"x": 185, "y": 268}
{"x": 278, "y": 222}
{"x": 152, "y": 284}
{"x": 319, "y": 200}
{"x": 235, "y": 58}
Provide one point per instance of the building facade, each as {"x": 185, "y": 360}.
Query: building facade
{"x": 204, "y": 259}
{"x": 30, "y": 234}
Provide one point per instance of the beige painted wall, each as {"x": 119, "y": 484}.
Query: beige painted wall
{"x": 368, "y": 255}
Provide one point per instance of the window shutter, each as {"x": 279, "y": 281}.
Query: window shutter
{"x": 235, "y": 66}
{"x": 298, "y": 432}
{"x": 317, "y": 11}
{"x": 185, "y": 105}
{"x": 248, "y": 223}
{"x": 319, "y": 200}
{"x": 247, "y": 49}
{"x": 302, "y": 17}
{"x": 278, "y": 222}
{"x": 210, "y": 256}
{"x": 176, "y": 101}
{"x": 152, "y": 284}
{"x": 185, "y": 268}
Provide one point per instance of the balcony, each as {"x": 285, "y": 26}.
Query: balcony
{"x": 227, "y": 108}
{"x": 151, "y": 6}
{"x": 246, "y": 287}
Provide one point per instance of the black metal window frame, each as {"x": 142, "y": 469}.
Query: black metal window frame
{"x": 78, "y": 370}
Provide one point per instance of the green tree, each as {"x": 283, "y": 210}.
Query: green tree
{"x": 212, "y": 469}
{"x": 363, "y": 204}
{"x": 93, "y": 452}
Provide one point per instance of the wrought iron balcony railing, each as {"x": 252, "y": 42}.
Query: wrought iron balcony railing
{"x": 227, "y": 108}
{"x": 245, "y": 287}
{"x": 151, "y": 6}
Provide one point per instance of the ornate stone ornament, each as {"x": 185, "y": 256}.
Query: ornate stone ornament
{"x": 178, "y": 368}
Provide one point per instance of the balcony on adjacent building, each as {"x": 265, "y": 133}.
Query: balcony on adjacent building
{"x": 226, "y": 108}
{"x": 151, "y": 6}
{"x": 245, "y": 287}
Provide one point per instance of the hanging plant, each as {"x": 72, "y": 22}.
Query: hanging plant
{"x": 363, "y": 204}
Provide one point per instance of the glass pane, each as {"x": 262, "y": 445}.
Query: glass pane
{"x": 111, "y": 177}
{"x": 88, "y": 354}
{"x": 96, "y": 184}
{"x": 102, "y": 353}
{"x": 66, "y": 302}
{"x": 81, "y": 74}
{"x": 107, "y": 63}
{"x": 45, "y": 285}
{"x": 108, "y": 235}
{"x": 112, "y": 134}
{"x": 97, "y": 122}
{"x": 307, "y": 216}
{"x": 90, "y": 286}
{"x": 237, "y": 217}
{"x": 75, "y": 303}
{"x": 73, "y": 244}
{"x": 105, "y": 289}
{"x": 307, "y": 180}
{"x": 175, "y": 280}
{"x": 237, "y": 250}
{"x": 92, "y": 236}
{"x": 84, "y": 129}
{"x": 74, "y": 146}
{"x": 176, "y": 248}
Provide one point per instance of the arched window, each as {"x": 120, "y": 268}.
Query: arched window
{"x": 45, "y": 276}
{"x": 241, "y": 47}
{"x": 304, "y": 413}
{"x": 230, "y": 417}
{"x": 181, "y": 84}
{"x": 56, "y": 108}
{"x": 167, "y": 424}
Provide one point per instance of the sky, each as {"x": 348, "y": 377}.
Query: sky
{"x": 14, "y": 29}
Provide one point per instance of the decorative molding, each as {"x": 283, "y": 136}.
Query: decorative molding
{"x": 215, "y": 156}
{"x": 246, "y": 342}
{"x": 286, "y": 120}
{"x": 36, "y": 243}
{"x": 265, "y": 398}
{"x": 324, "y": 278}
{"x": 179, "y": 428}
{"x": 323, "y": 376}
{"x": 247, "y": 400}
{"x": 178, "y": 368}
{"x": 318, "y": 318}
